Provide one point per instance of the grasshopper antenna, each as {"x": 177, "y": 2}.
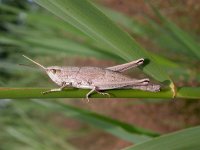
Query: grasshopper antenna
{"x": 34, "y": 62}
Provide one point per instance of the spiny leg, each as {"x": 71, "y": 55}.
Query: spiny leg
{"x": 149, "y": 87}
{"x": 58, "y": 89}
{"x": 117, "y": 85}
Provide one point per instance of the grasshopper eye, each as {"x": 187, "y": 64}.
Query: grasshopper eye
{"x": 53, "y": 71}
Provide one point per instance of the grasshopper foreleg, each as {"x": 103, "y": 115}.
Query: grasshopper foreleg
{"x": 64, "y": 84}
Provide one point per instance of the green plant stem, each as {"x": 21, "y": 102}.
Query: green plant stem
{"x": 15, "y": 93}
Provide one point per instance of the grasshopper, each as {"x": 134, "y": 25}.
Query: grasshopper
{"x": 97, "y": 79}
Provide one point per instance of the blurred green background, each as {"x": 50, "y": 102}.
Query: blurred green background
{"x": 167, "y": 29}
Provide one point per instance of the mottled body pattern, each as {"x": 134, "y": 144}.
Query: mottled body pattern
{"x": 97, "y": 79}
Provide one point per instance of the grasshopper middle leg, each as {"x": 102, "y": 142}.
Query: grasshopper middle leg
{"x": 95, "y": 89}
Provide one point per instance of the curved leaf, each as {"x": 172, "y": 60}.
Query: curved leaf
{"x": 182, "y": 140}
{"x": 87, "y": 18}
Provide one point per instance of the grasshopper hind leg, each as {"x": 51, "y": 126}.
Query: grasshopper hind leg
{"x": 126, "y": 66}
{"x": 149, "y": 87}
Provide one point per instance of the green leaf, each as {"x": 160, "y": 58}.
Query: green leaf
{"x": 154, "y": 31}
{"x": 124, "y": 20}
{"x": 180, "y": 35}
{"x": 87, "y": 18}
{"x": 77, "y": 93}
{"x": 138, "y": 29}
{"x": 120, "y": 129}
{"x": 188, "y": 92}
{"x": 187, "y": 139}
{"x": 183, "y": 92}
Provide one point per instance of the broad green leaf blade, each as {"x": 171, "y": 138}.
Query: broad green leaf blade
{"x": 120, "y": 129}
{"x": 137, "y": 28}
{"x": 187, "y": 139}
{"x": 124, "y": 20}
{"x": 87, "y": 18}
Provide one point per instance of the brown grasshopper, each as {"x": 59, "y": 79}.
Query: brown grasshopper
{"x": 97, "y": 79}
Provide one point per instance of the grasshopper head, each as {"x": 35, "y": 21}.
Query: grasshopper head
{"x": 54, "y": 72}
